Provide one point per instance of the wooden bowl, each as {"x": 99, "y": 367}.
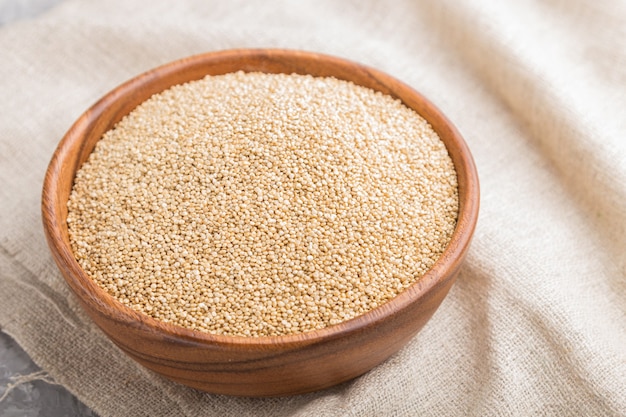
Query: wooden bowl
{"x": 255, "y": 366}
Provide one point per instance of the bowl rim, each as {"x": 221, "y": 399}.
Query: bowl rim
{"x": 55, "y": 226}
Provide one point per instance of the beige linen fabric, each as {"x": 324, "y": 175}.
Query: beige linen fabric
{"x": 536, "y": 323}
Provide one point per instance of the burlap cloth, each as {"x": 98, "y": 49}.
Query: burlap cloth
{"x": 536, "y": 323}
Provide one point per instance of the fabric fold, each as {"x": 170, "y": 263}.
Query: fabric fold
{"x": 536, "y": 323}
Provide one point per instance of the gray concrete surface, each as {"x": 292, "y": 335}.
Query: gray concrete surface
{"x": 36, "y": 398}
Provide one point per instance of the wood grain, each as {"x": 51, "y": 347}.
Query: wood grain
{"x": 263, "y": 366}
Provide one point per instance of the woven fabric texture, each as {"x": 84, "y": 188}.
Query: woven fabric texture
{"x": 536, "y": 323}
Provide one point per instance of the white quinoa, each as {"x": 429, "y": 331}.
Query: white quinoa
{"x": 254, "y": 204}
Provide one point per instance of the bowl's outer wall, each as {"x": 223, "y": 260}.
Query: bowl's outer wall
{"x": 255, "y": 366}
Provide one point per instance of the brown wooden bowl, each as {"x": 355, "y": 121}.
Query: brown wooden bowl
{"x": 255, "y": 366}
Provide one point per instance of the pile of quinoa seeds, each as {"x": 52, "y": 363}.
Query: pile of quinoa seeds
{"x": 259, "y": 204}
